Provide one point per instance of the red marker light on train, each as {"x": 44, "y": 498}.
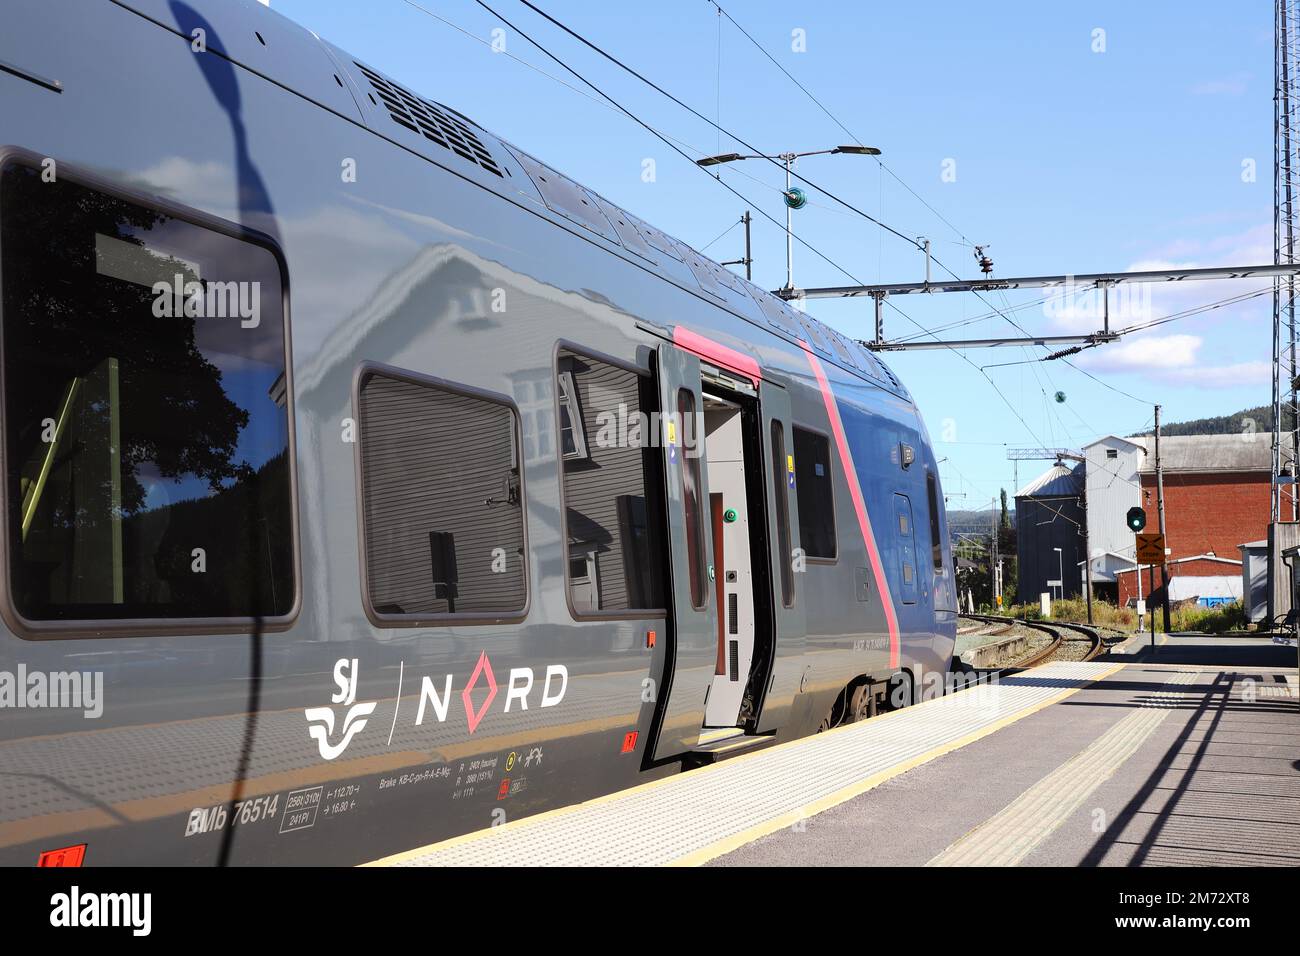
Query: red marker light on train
{"x": 629, "y": 742}
{"x": 65, "y": 856}
{"x": 649, "y": 638}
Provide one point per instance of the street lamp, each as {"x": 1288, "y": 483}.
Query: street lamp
{"x": 794, "y": 198}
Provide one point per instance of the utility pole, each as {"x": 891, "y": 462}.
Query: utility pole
{"x": 789, "y": 232}
{"x": 748, "y": 261}
{"x": 749, "y": 255}
{"x": 1160, "y": 511}
{"x": 1137, "y": 578}
{"x": 993, "y": 553}
{"x": 794, "y": 197}
{"x": 1087, "y": 553}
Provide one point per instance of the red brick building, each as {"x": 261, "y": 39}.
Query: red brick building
{"x": 1217, "y": 496}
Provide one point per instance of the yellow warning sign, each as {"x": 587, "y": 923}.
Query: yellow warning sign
{"x": 1150, "y": 548}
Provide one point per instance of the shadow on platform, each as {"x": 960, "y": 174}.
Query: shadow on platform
{"x": 1212, "y": 650}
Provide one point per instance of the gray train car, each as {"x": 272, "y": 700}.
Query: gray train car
{"x": 369, "y": 481}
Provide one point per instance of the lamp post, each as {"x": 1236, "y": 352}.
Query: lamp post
{"x": 794, "y": 197}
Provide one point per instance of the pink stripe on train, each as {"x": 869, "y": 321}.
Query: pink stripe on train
{"x": 859, "y": 505}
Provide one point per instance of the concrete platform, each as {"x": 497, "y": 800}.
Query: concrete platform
{"x": 1158, "y": 763}
{"x": 1133, "y": 761}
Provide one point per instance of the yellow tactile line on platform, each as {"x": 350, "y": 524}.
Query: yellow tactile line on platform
{"x": 1016, "y": 830}
{"x": 726, "y": 845}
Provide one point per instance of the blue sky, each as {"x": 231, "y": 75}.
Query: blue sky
{"x": 1067, "y": 158}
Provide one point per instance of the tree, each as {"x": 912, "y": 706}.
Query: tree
{"x": 63, "y": 319}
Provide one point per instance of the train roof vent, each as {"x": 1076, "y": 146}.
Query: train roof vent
{"x": 657, "y": 239}
{"x": 892, "y": 377}
{"x": 867, "y": 361}
{"x": 564, "y": 196}
{"x": 837, "y": 344}
{"x": 815, "y": 336}
{"x": 625, "y": 225}
{"x": 437, "y": 123}
{"x": 708, "y": 279}
{"x": 779, "y": 315}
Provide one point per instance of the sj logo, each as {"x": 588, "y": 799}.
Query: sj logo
{"x": 320, "y": 720}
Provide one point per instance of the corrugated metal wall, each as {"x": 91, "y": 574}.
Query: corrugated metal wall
{"x": 1112, "y": 485}
{"x": 430, "y": 461}
{"x": 1043, "y": 524}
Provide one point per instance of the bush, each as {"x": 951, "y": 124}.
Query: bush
{"x": 1210, "y": 620}
{"x": 1184, "y": 617}
{"x": 1076, "y": 610}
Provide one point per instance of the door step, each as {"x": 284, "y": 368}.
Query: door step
{"x": 718, "y": 745}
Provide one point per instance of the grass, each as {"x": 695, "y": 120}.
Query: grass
{"x": 1187, "y": 617}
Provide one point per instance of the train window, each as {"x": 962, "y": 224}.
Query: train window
{"x": 781, "y": 477}
{"x": 442, "y": 499}
{"x": 812, "y": 471}
{"x": 146, "y": 412}
{"x": 692, "y": 490}
{"x": 936, "y": 540}
{"x": 613, "y": 515}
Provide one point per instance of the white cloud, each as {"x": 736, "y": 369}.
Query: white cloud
{"x": 1175, "y": 360}
{"x": 1224, "y": 376}
{"x": 1148, "y": 352}
{"x": 1132, "y": 304}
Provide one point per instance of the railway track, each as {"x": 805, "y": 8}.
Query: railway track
{"x": 1062, "y": 646}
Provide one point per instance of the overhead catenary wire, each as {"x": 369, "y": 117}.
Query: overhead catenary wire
{"x": 609, "y": 104}
{"x": 1163, "y": 320}
{"x": 659, "y": 89}
{"x": 724, "y": 232}
{"x": 696, "y": 113}
{"x": 667, "y": 140}
{"x": 664, "y": 138}
{"x": 727, "y": 186}
{"x": 835, "y": 119}
{"x": 599, "y": 102}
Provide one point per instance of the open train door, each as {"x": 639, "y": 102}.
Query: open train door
{"x": 691, "y": 651}
{"x": 785, "y": 669}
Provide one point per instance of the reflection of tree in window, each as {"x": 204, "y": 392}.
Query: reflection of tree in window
{"x": 136, "y": 438}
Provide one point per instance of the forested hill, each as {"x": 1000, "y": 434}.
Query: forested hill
{"x": 1262, "y": 417}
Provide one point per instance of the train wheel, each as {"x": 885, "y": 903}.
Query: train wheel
{"x": 860, "y": 704}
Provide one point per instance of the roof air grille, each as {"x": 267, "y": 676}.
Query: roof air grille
{"x": 438, "y": 123}
{"x": 892, "y": 377}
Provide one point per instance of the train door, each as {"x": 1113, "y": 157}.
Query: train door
{"x": 736, "y": 519}
{"x": 691, "y": 655}
{"x": 782, "y": 670}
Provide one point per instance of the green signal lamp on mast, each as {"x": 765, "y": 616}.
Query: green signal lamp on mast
{"x": 1136, "y": 519}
